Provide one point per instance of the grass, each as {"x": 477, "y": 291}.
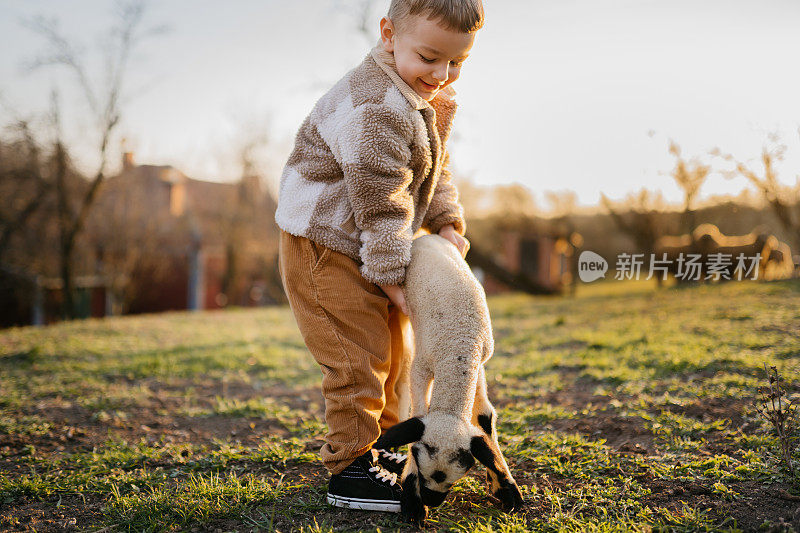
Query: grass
{"x": 626, "y": 408}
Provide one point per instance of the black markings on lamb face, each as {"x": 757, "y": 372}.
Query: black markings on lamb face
{"x": 415, "y": 454}
{"x": 438, "y": 476}
{"x": 431, "y": 449}
{"x": 485, "y": 422}
{"x": 432, "y": 498}
{"x": 464, "y": 459}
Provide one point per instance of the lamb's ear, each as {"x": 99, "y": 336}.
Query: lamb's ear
{"x": 483, "y": 451}
{"x": 410, "y": 430}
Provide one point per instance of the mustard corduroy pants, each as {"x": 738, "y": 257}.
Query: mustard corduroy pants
{"x": 355, "y": 334}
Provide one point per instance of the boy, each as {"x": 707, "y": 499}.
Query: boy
{"x": 368, "y": 170}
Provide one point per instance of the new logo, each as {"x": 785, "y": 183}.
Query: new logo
{"x": 591, "y": 266}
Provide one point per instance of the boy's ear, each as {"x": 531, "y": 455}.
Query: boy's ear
{"x": 387, "y": 34}
{"x": 410, "y": 430}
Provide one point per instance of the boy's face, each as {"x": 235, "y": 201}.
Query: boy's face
{"x": 428, "y": 56}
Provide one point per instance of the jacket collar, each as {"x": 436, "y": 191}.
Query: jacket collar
{"x": 385, "y": 61}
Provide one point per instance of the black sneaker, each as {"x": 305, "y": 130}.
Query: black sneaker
{"x": 364, "y": 484}
{"x": 392, "y": 461}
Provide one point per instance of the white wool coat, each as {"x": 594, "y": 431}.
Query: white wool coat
{"x": 450, "y": 318}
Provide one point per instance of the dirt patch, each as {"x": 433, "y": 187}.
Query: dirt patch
{"x": 578, "y": 397}
{"x": 64, "y": 512}
{"x": 757, "y": 504}
{"x": 708, "y": 409}
{"x": 205, "y": 392}
{"x": 76, "y": 427}
{"x": 622, "y": 433}
{"x": 773, "y": 504}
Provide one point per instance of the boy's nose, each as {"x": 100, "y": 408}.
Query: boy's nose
{"x": 441, "y": 74}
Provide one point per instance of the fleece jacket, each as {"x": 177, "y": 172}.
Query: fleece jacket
{"x": 369, "y": 169}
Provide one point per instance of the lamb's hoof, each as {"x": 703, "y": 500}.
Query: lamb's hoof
{"x": 510, "y": 497}
{"x": 417, "y": 517}
{"x": 412, "y": 510}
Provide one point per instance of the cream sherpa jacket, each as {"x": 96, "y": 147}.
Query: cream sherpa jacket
{"x": 369, "y": 169}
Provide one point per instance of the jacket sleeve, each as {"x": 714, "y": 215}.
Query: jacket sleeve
{"x": 444, "y": 208}
{"x": 376, "y": 157}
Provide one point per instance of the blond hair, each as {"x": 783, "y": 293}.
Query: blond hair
{"x": 459, "y": 15}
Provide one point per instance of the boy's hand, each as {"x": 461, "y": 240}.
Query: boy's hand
{"x": 395, "y": 294}
{"x": 450, "y": 233}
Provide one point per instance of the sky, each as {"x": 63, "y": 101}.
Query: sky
{"x": 581, "y": 95}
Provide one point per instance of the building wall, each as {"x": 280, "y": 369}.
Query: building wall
{"x": 539, "y": 257}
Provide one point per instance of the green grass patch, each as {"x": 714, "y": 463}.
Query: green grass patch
{"x": 626, "y": 408}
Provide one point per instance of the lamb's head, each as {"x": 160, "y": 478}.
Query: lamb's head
{"x": 441, "y": 454}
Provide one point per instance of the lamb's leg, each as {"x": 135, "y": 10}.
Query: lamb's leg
{"x": 421, "y": 379}
{"x": 411, "y": 506}
{"x": 487, "y": 450}
{"x": 403, "y": 385}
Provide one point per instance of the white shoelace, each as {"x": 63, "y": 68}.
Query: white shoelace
{"x": 384, "y": 475}
{"x": 393, "y": 456}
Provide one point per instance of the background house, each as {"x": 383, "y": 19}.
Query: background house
{"x": 167, "y": 241}
{"x": 540, "y": 263}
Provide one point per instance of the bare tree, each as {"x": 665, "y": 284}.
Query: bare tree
{"x": 105, "y": 105}
{"x": 261, "y": 234}
{"x": 513, "y": 202}
{"x": 641, "y": 219}
{"x": 471, "y": 196}
{"x": 784, "y": 200}
{"x": 362, "y": 13}
{"x": 239, "y": 217}
{"x": 246, "y": 216}
{"x": 690, "y": 176}
{"x": 24, "y": 182}
{"x": 562, "y": 203}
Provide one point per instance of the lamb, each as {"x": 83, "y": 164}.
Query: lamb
{"x": 453, "y": 422}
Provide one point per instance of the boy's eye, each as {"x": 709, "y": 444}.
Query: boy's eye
{"x": 425, "y": 59}
{"x": 456, "y": 63}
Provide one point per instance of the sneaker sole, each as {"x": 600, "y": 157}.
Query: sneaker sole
{"x": 363, "y": 503}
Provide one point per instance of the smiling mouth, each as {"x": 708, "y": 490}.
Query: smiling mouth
{"x": 429, "y": 86}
